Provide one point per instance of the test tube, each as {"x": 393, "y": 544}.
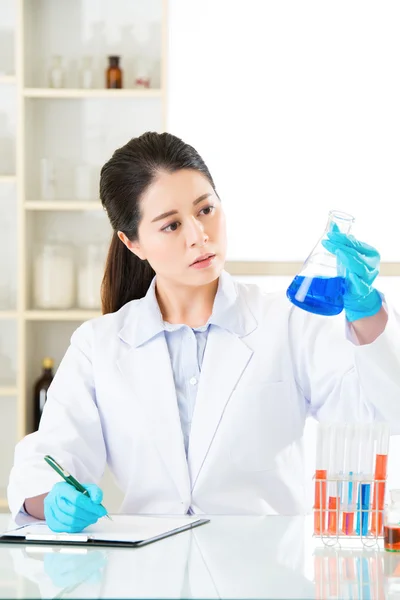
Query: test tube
{"x": 366, "y": 475}
{"x": 381, "y": 459}
{"x": 321, "y": 472}
{"x": 335, "y": 467}
{"x": 350, "y": 472}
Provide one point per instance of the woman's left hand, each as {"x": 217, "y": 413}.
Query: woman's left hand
{"x": 361, "y": 266}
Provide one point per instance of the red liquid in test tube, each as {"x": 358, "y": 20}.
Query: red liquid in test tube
{"x": 378, "y": 503}
{"x": 320, "y": 479}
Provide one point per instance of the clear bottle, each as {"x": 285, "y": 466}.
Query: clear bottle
{"x": 56, "y": 72}
{"x": 114, "y": 73}
{"x": 86, "y": 73}
{"x": 54, "y": 277}
{"x": 142, "y": 79}
{"x": 319, "y": 286}
{"x": 40, "y": 388}
{"x": 90, "y": 276}
{"x": 391, "y": 522}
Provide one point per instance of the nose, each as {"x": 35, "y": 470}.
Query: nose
{"x": 195, "y": 234}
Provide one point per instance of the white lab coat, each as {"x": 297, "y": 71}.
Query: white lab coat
{"x": 113, "y": 400}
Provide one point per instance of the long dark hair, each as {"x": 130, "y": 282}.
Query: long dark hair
{"x": 123, "y": 181}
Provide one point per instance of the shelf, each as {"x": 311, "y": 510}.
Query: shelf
{"x": 8, "y": 314}
{"x": 99, "y": 93}
{"x": 8, "y": 390}
{"x": 8, "y": 79}
{"x": 61, "y": 315}
{"x": 8, "y": 178}
{"x": 64, "y": 205}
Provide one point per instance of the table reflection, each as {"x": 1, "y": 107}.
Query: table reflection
{"x": 231, "y": 557}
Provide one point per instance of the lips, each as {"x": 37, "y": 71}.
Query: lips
{"x": 203, "y": 257}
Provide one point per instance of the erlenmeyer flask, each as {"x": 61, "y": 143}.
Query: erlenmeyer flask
{"x": 319, "y": 286}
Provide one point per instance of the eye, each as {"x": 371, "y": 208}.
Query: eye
{"x": 208, "y": 210}
{"x": 171, "y": 227}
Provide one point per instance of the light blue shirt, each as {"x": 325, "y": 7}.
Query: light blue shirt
{"x": 186, "y": 345}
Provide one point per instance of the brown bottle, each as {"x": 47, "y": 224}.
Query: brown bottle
{"x": 40, "y": 390}
{"x": 114, "y": 73}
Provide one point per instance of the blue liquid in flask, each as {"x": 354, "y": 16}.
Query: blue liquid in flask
{"x": 323, "y": 297}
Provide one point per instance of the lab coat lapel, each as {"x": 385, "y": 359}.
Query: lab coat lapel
{"x": 225, "y": 359}
{"x": 148, "y": 371}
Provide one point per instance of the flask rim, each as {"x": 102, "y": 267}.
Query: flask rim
{"x": 341, "y": 215}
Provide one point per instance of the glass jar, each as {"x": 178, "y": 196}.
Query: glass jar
{"x": 142, "y": 78}
{"x": 54, "y": 277}
{"x": 86, "y": 73}
{"x": 56, "y": 72}
{"x": 114, "y": 73}
{"x": 391, "y": 521}
{"x": 90, "y": 276}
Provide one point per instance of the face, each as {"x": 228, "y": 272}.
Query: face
{"x": 182, "y": 221}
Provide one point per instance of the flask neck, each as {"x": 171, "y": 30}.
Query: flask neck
{"x": 339, "y": 221}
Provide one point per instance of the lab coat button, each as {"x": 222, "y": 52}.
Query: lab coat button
{"x": 193, "y": 380}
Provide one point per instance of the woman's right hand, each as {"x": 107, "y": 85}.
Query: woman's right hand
{"x": 66, "y": 509}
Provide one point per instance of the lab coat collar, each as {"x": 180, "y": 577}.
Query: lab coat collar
{"x": 230, "y": 312}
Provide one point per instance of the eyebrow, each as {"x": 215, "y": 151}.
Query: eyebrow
{"x": 175, "y": 212}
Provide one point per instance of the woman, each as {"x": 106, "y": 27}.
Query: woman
{"x": 193, "y": 388}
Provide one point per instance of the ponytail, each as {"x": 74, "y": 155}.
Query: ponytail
{"x": 126, "y": 277}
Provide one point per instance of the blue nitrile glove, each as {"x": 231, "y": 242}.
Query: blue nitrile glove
{"x": 66, "y": 509}
{"x": 361, "y": 266}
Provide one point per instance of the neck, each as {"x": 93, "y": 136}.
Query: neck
{"x": 191, "y": 305}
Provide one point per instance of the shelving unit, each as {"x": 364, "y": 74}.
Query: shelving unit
{"x": 100, "y": 93}
{"x": 75, "y": 127}
{"x": 63, "y": 205}
{"x": 8, "y": 80}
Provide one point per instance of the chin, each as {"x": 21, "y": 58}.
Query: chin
{"x": 209, "y": 274}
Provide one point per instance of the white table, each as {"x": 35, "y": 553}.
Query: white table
{"x": 230, "y": 557}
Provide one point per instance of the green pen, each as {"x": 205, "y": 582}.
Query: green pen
{"x": 69, "y": 478}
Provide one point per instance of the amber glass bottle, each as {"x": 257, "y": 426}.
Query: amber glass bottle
{"x": 40, "y": 390}
{"x": 114, "y": 73}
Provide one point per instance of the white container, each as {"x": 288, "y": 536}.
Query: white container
{"x": 47, "y": 179}
{"x": 86, "y": 73}
{"x": 54, "y": 277}
{"x": 90, "y": 276}
{"x": 56, "y": 72}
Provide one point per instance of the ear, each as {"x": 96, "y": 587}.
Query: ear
{"x": 132, "y": 246}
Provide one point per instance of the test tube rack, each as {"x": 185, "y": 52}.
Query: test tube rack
{"x": 339, "y": 521}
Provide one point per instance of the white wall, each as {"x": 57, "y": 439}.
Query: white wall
{"x": 295, "y": 108}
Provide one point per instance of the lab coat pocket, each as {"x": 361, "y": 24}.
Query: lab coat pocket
{"x": 264, "y": 423}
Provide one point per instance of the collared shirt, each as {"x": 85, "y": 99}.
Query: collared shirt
{"x": 186, "y": 345}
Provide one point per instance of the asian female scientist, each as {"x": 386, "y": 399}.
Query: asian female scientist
{"x": 194, "y": 388}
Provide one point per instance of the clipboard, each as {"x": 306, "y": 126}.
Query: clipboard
{"x": 125, "y": 531}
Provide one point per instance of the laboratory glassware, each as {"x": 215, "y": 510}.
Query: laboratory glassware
{"x": 114, "y": 73}
{"x": 366, "y": 477}
{"x": 320, "y": 479}
{"x": 56, "y": 72}
{"x": 54, "y": 277}
{"x": 381, "y": 461}
{"x": 391, "y": 530}
{"x": 319, "y": 286}
{"x": 90, "y": 275}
